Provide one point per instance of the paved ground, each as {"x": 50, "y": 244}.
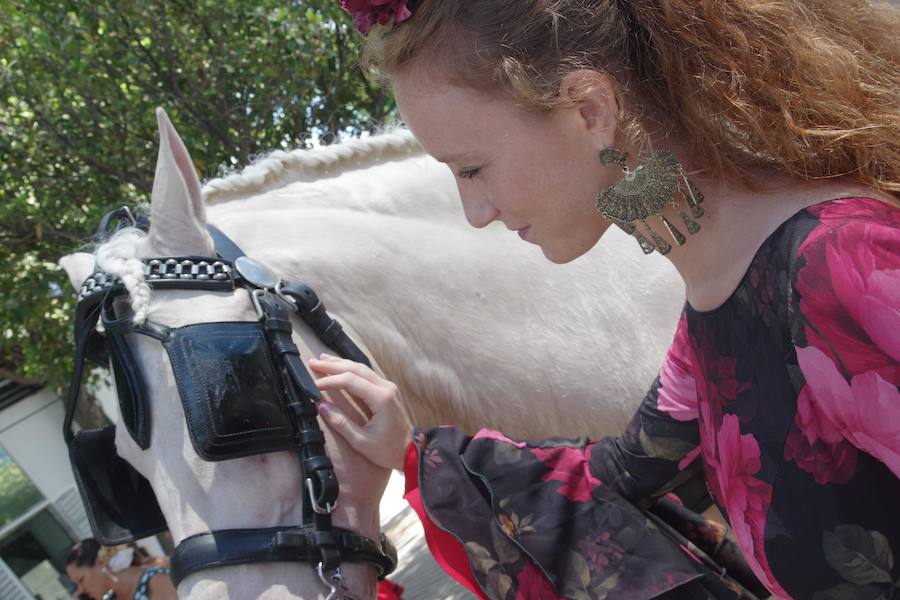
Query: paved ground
{"x": 416, "y": 571}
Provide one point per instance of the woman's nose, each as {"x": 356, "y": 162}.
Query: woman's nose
{"x": 479, "y": 211}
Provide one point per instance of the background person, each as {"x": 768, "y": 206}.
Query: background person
{"x": 103, "y": 573}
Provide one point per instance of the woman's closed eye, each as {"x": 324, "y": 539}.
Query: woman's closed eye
{"x": 468, "y": 173}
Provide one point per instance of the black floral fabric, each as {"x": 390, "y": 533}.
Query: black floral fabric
{"x": 782, "y": 404}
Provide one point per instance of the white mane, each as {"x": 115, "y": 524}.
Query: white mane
{"x": 118, "y": 257}
{"x": 280, "y": 168}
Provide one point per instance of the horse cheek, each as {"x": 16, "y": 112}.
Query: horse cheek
{"x": 128, "y": 449}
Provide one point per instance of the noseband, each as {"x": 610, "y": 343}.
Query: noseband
{"x": 244, "y": 391}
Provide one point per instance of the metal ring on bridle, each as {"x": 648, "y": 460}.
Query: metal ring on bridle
{"x": 335, "y": 583}
{"x": 278, "y": 287}
{"x": 318, "y": 508}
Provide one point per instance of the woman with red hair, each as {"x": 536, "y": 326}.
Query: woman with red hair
{"x": 756, "y": 144}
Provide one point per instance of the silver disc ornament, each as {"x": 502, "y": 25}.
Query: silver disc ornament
{"x": 642, "y": 192}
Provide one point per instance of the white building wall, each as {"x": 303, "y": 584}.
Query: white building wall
{"x": 31, "y": 433}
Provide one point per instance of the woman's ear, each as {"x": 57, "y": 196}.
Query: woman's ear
{"x": 593, "y": 94}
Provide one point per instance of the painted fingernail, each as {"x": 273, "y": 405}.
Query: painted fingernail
{"x": 324, "y": 409}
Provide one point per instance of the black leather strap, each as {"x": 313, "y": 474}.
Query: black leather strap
{"x": 83, "y": 333}
{"x": 305, "y": 303}
{"x": 201, "y": 273}
{"x": 230, "y": 547}
{"x": 225, "y": 247}
{"x": 308, "y": 306}
{"x": 319, "y": 480}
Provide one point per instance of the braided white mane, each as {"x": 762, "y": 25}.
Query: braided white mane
{"x": 118, "y": 256}
{"x": 281, "y": 167}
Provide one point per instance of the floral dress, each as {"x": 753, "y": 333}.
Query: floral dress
{"x": 783, "y": 401}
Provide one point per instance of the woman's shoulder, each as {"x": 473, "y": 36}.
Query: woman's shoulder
{"x": 832, "y": 237}
{"x": 861, "y": 215}
{"x": 846, "y": 235}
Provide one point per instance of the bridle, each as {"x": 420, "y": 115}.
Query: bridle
{"x": 216, "y": 366}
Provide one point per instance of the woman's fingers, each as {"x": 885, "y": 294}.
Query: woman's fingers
{"x": 374, "y": 396}
{"x": 383, "y": 439}
{"x": 356, "y": 379}
{"x": 332, "y": 364}
{"x": 354, "y": 408}
{"x": 344, "y": 426}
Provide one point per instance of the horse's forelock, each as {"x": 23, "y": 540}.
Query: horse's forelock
{"x": 119, "y": 257}
{"x": 281, "y": 167}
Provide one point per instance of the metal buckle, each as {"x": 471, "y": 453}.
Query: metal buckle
{"x": 290, "y": 301}
{"x": 129, "y": 215}
{"x": 318, "y": 508}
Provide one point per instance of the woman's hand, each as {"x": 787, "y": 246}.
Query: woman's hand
{"x": 383, "y": 439}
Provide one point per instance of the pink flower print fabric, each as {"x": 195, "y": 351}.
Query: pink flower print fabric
{"x": 849, "y": 291}
{"x": 849, "y": 287}
{"x": 746, "y": 498}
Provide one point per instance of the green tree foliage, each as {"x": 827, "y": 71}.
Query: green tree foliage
{"x": 79, "y": 82}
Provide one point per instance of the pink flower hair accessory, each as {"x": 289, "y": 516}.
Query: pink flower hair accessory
{"x": 368, "y": 13}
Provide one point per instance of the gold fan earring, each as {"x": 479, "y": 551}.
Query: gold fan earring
{"x": 644, "y": 193}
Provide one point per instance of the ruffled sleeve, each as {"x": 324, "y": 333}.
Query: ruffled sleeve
{"x": 447, "y": 550}
{"x": 846, "y": 334}
{"x": 521, "y": 520}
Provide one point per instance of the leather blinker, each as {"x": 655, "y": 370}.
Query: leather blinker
{"x": 130, "y": 389}
{"x": 233, "y": 397}
{"x": 118, "y": 500}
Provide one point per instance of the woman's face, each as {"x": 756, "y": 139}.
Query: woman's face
{"x": 537, "y": 172}
{"x": 91, "y": 581}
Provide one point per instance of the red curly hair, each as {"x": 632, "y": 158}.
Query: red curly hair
{"x": 806, "y": 87}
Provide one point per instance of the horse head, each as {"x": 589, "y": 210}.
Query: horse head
{"x": 197, "y": 495}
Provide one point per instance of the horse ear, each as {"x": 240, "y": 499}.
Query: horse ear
{"x": 78, "y": 266}
{"x": 177, "y": 213}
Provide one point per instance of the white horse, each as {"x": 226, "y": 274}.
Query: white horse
{"x": 475, "y": 327}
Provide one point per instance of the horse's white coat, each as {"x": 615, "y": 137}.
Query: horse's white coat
{"x": 475, "y": 327}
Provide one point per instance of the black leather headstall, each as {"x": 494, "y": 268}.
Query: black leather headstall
{"x": 244, "y": 391}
